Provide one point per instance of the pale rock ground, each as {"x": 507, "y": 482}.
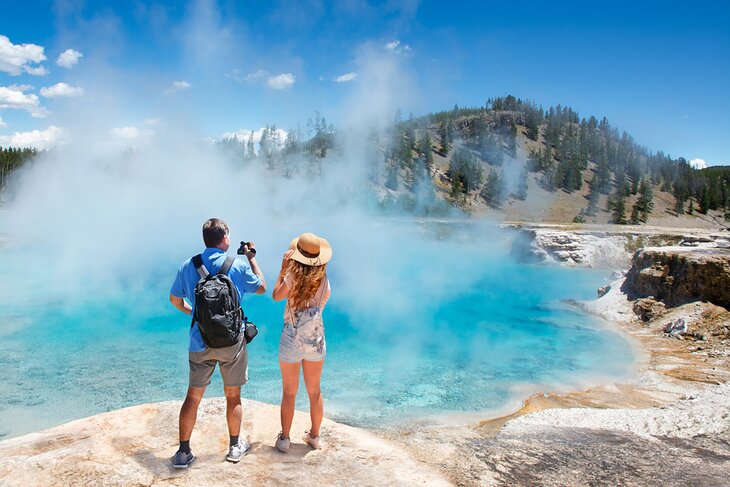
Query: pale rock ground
{"x": 681, "y": 419}
{"x": 133, "y": 446}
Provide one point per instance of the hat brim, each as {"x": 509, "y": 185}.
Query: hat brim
{"x": 325, "y": 253}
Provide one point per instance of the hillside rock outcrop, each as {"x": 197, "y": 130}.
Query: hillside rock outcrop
{"x": 572, "y": 249}
{"x": 679, "y": 275}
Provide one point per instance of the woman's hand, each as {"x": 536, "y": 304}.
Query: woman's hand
{"x": 286, "y": 260}
{"x": 281, "y": 290}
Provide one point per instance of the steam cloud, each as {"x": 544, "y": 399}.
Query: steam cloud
{"x": 132, "y": 201}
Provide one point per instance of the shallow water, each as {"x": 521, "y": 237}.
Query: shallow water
{"x": 425, "y": 341}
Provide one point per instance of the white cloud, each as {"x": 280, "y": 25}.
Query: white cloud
{"x": 69, "y": 58}
{"x": 395, "y": 46}
{"x": 37, "y": 71}
{"x": 277, "y": 82}
{"x": 2, "y": 124}
{"x": 16, "y": 58}
{"x": 40, "y": 139}
{"x": 181, "y": 85}
{"x": 236, "y": 75}
{"x": 177, "y": 86}
{"x": 254, "y": 78}
{"x": 344, "y": 78}
{"x": 698, "y": 163}
{"x": 61, "y": 90}
{"x": 281, "y": 81}
{"x": 13, "y": 97}
{"x": 126, "y": 132}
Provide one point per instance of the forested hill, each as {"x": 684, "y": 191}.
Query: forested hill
{"x": 513, "y": 157}
{"x": 510, "y": 159}
{"x": 12, "y": 158}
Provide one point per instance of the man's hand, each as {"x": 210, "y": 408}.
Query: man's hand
{"x": 249, "y": 250}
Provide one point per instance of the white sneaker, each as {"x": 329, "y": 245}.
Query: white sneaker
{"x": 236, "y": 452}
{"x": 282, "y": 444}
{"x": 313, "y": 441}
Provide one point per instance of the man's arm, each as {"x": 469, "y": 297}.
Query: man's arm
{"x": 257, "y": 270}
{"x": 180, "y": 304}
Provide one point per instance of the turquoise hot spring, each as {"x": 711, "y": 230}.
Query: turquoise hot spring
{"x": 451, "y": 326}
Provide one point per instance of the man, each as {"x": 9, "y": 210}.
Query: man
{"x": 233, "y": 360}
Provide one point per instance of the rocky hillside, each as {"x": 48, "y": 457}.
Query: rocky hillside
{"x": 515, "y": 161}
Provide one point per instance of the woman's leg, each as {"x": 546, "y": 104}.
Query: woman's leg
{"x": 290, "y": 384}
{"x": 312, "y": 375}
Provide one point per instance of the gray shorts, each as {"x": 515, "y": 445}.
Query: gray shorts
{"x": 303, "y": 340}
{"x": 232, "y": 362}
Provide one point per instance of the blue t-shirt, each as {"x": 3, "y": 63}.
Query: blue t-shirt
{"x": 187, "y": 277}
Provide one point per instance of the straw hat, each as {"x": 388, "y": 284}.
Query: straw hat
{"x": 310, "y": 249}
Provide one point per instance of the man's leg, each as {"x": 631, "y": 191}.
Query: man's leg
{"x": 189, "y": 412}
{"x": 234, "y": 410}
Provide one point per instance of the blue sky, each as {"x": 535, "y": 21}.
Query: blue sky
{"x": 659, "y": 70}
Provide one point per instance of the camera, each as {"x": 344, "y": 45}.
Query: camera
{"x": 242, "y": 249}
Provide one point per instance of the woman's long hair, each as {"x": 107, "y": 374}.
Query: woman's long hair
{"x": 305, "y": 280}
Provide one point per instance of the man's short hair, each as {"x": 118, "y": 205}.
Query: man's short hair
{"x": 214, "y": 230}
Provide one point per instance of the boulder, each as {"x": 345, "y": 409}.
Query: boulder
{"x": 648, "y": 308}
{"x": 676, "y": 327}
{"x": 602, "y": 291}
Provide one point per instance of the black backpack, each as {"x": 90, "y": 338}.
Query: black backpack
{"x": 217, "y": 307}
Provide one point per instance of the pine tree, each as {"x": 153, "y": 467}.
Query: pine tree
{"x": 619, "y": 207}
{"x": 634, "y": 185}
{"x": 250, "y": 151}
{"x": 411, "y": 136}
{"x": 532, "y": 128}
{"x": 391, "y": 180}
{"x": 549, "y": 178}
{"x": 635, "y": 214}
{"x": 424, "y": 148}
{"x": 704, "y": 199}
{"x": 494, "y": 191}
{"x": 646, "y": 200}
{"x": 680, "y": 196}
{"x": 521, "y": 191}
{"x": 593, "y": 196}
{"x": 456, "y": 187}
{"x": 444, "y": 137}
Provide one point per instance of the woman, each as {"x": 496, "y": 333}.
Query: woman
{"x": 303, "y": 283}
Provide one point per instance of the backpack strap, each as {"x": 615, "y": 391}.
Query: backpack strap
{"x": 198, "y": 262}
{"x": 226, "y": 265}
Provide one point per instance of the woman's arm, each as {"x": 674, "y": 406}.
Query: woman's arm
{"x": 281, "y": 290}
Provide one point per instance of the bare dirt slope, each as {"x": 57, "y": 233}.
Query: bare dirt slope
{"x": 542, "y": 206}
